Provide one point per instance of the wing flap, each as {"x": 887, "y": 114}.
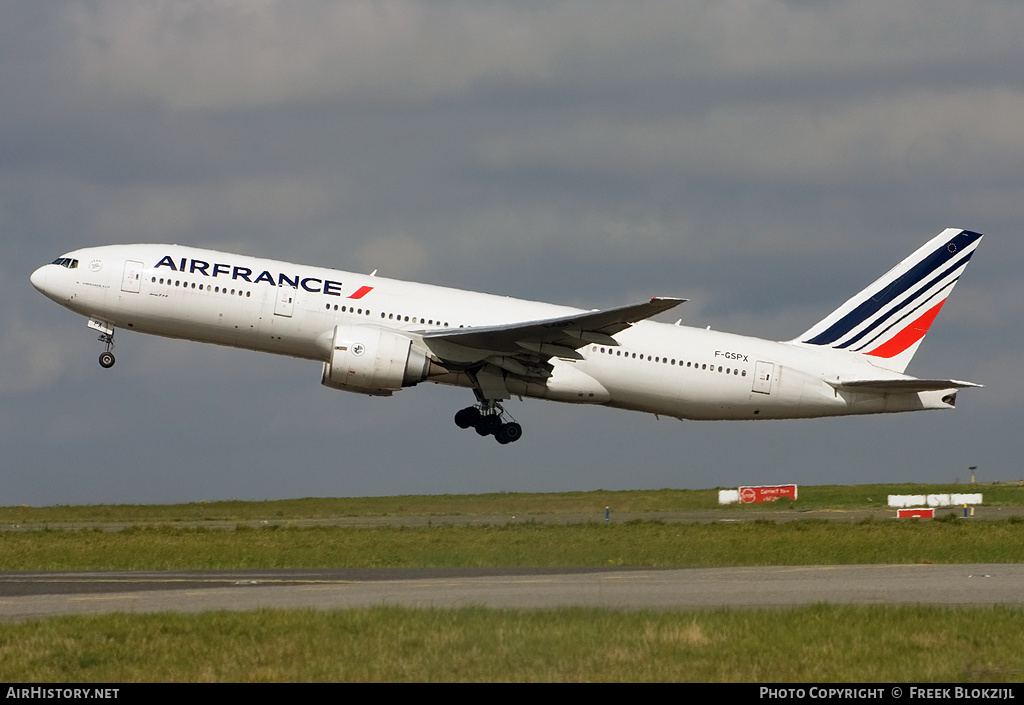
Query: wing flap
{"x": 545, "y": 337}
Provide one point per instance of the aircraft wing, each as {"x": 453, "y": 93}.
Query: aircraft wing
{"x": 900, "y": 386}
{"x": 554, "y": 337}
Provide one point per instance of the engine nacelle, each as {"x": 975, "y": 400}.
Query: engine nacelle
{"x": 373, "y": 360}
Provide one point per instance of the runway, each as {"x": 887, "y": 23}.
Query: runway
{"x": 42, "y": 594}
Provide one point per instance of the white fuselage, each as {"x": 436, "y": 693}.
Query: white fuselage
{"x": 289, "y": 309}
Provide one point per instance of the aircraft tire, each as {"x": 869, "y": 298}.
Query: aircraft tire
{"x": 464, "y": 418}
{"x": 509, "y": 433}
{"x": 487, "y": 424}
{"x": 107, "y": 360}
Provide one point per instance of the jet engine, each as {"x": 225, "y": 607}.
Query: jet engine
{"x": 375, "y": 361}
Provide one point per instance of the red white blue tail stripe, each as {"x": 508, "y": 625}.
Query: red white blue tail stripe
{"x": 888, "y": 319}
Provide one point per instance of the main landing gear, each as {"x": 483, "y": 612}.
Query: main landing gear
{"x": 485, "y": 419}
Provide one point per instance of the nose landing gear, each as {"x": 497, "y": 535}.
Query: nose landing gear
{"x": 107, "y": 359}
{"x": 486, "y": 420}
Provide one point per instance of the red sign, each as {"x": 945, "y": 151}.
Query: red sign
{"x": 915, "y": 513}
{"x": 766, "y": 493}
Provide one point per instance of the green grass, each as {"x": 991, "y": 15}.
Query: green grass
{"x": 409, "y": 505}
{"x": 636, "y": 543}
{"x": 818, "y": 644}
{"x": 838, "y": 497}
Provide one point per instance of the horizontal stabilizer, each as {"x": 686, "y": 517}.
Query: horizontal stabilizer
{"x": 900, "y": 386}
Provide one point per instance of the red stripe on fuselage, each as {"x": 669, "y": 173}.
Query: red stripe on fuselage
{"x": 909, "y": 335}
{"x": 361, "y": 292}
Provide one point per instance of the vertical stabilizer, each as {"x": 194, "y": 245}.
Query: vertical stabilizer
{"x": 888, "y": 319}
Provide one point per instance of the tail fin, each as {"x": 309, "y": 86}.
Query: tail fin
{"x": 888, "y": 319}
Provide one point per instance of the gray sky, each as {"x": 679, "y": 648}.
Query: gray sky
{"x": 765, "y": 160}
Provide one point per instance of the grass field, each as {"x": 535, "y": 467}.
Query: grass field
{"x": 634, "y": 501}
{"x": 819, "y": 644}
{"x": 635, "y": 543}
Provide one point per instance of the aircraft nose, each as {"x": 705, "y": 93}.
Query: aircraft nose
{"x": 39, "y": 279}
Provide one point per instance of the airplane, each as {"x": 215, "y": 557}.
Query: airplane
{"x": 376, "y": 336}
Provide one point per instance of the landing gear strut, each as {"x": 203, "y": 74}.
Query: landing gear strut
{"x": 486, "y": 420}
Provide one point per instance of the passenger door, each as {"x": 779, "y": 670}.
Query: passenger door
{"x": 763, "y": 373}
{"x": 132, "y": 280}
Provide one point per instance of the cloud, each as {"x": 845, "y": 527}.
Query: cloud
{"x": 253, "y": 53}
{"x": 33, "y": 357}
{"x": 920, "y": 136}
{"x": 217, "y": 55}
{"x": 394, "y": 256}
{"x": 264, "y": 205}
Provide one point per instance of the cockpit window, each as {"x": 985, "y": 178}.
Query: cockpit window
{"x": 66, "y": 262}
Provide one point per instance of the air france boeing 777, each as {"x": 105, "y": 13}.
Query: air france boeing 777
{"x": 374, "y": 336}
